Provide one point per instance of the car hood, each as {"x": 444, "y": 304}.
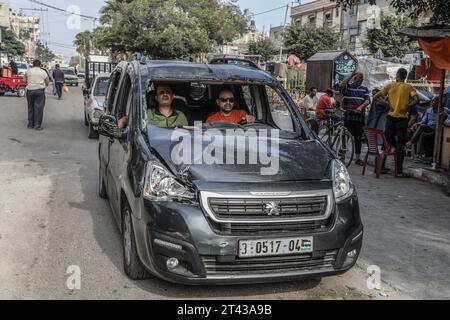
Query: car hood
{"x": 70, "y": 77}
{"x": 291, "y": 159}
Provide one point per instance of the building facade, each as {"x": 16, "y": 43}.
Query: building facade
{"x": 4, "y": 15}
{"x": 319, "y": 13}
{"x": 27, "y": 29}
{"x": 239, "y": 46}
{"x": 358, "y": 19}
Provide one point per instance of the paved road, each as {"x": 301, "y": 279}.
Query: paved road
{"x": 51, "y": 218}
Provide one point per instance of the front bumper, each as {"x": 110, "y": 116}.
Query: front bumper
{"x": 71, "y": 81}
{"x": 174, "y": 230}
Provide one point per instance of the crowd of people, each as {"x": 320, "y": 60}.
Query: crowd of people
{"x": 392, "y": 109}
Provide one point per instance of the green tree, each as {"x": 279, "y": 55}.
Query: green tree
{"x": 263, "y": 47}
{"x": 11, "y": 45}
{"x": 305, "y": 41}
{"x": 440, "y": 9}
{"x": 44, "y": 53}
{"x": 75, "y": 61}
{"x": 168, "y": 29}
{"x": 83, "y": 42}
{"x": 387, "y": 39}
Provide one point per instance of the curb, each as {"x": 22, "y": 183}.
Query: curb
{"x": 426, "y": 175}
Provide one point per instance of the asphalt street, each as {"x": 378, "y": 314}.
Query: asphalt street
{"x": 52, "y": 219}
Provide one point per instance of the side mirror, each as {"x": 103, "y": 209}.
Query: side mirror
{"x": 107, "y": 126}
{"x": 86, "y": 92}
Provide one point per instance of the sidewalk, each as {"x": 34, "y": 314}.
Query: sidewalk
{"x": 414, "y": 169}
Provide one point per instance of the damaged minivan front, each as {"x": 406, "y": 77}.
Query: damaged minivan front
{"x": 219, "y": 202}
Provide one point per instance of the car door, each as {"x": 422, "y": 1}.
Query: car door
{"x": 119, "y": 149}
{"x": 105, "y": 142}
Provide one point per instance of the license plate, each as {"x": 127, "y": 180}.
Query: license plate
{"x": 275, "y": 247}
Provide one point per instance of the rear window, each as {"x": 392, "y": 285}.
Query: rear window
{"x": 22, "y": 66}
{"x": 101, "y": 87}
{"x": 69, "y": 72}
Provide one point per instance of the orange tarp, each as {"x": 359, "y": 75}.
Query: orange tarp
{"x": 438, "y": 50}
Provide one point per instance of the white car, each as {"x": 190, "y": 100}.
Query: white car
{"x": 22, "y": 67}
{"x": 93, "y": 103}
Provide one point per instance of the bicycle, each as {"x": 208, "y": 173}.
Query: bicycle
{"x": 332, "y": 132}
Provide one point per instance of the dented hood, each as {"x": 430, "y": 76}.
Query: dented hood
{"x": 194, "y": 150}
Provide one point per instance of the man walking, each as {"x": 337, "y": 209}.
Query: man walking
{"x": 37, "y": 80}
{"x": 58, "y": 80}
{"x": 355, "y": 100}
{"x": 399, "y": 96}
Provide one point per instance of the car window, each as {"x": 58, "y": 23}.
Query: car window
{"x": 280, "y": 112}
{"x": 112, "y": 90}
{"x": 101, "y": 87}
{"x": 69, "y": 72}
{"x": 22, "y": 66}
{"x": 123, "y": 103}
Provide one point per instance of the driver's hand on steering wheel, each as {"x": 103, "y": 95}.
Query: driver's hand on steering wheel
{"x": 249, "y": 119}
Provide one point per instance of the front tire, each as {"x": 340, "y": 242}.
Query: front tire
{"x": 21, "y": 92}
{"x": 132, "y": 264}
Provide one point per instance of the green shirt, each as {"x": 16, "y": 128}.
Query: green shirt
{"x": 177, "y": 119}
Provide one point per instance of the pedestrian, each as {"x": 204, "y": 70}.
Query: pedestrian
{"x": 402, "y": 97}
{"x": 310, "y": 102}
{"x": 354, "y": 101}
{"x": 424, "y": 131}
{"x": 58, "y": 80}
{"x": 37, "y": 80}
{"x": 13, "y": 66}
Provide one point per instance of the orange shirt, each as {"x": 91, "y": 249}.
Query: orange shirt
{"x": 235, "y": 116}
{"x": 323, "y": 103}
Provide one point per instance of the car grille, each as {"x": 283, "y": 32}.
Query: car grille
{"x": 270, "y": 265}
{"x": 254, "y": 229}
{"x": 249, "y": 208}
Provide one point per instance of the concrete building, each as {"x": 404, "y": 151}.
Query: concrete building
{"x": 4, "y": 15}
{"x": 319, "y": 13}
{"x": 358, "y": 19}
{"x": 239, "y": 46}
{"x": 27, "y": 29}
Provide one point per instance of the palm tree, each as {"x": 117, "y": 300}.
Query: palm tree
{"x": 83, "y": 42}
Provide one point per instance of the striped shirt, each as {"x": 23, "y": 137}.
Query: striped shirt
{"x": 353, "y": 97}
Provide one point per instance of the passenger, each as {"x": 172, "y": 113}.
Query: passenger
{"x": 164, "y": 115}
{"x": 226, "y": 112}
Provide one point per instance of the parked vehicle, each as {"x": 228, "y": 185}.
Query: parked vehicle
{"x": 93, "y": 103}
{"x": 12, "y": 83}
{"x": 70, "y": 77}
{"x": 22, "y": 67}
{"x": 190, "y": 220}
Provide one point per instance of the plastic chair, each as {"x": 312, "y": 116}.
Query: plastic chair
{"x": 372, "y": 135}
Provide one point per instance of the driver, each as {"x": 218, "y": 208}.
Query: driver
{"x": 225, "y": 101}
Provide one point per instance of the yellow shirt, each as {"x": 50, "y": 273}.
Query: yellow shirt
{"x": 399, "y": 94}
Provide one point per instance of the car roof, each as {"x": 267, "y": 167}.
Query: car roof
{"x": 189, "y": 71}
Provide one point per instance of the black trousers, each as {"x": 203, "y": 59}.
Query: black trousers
{"x": 36, "y": 103}
{"x": 356, "y": 128}
{"x": 397, "y": 128}
{"x": 59, "y": 86}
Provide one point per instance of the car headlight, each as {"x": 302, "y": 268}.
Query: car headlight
{"x": 161, "y": 185}
{"x": 342, "y": 184}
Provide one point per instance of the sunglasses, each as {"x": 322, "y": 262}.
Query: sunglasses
{"x": 226, "y": 100}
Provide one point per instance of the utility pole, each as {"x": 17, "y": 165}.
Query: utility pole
{"x": 284, "y": 27}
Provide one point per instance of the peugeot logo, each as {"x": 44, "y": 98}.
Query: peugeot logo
{"x": 272, "y": 209}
